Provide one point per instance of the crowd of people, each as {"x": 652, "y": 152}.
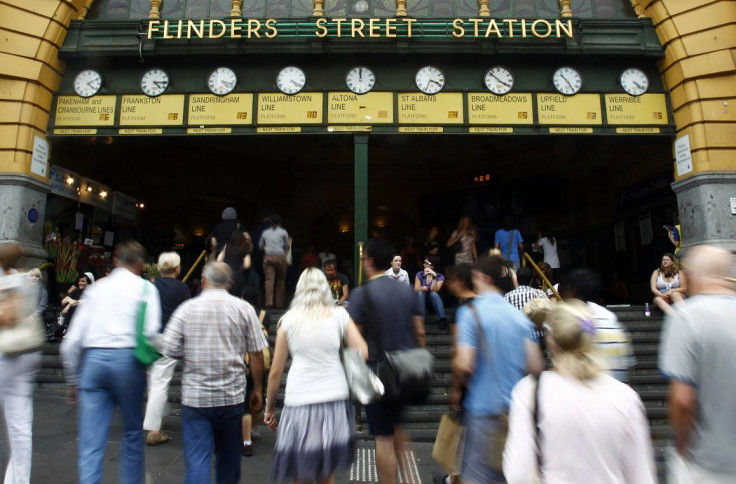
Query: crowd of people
{"x": 540, "y": 373}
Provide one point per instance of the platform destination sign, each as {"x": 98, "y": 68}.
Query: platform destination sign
{"x": 443, "y": 108}
{"x": 85, "y": 111}
{"x": 370, "y": 108}
{"x": 141, "y": 110}
{"x": 487, "y": 108}
{"x": 578, "y": 109}
{"x": 646, "y": 109}
{"x": 208, "y": 109}
{"x": 278, "y": 108}
{"x": 361, "y": 28}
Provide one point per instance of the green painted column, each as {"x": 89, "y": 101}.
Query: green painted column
{"x": 361, "y": 199}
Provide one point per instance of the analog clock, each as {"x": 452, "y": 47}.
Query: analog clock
{"x": 634, "y": 81}
{"x": 499, "y": 80}
{"x": 87, "y": 83}
{"x": 360, "y": 79}
{"x": 567, "y": 80}
{"x": 154, "y": 82}
{"x": 430, "y": 80}
{"x": 291, "y": 80}
{"x": 222, "y": 81}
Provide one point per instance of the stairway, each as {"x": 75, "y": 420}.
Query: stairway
{"x": 422, "y": 420}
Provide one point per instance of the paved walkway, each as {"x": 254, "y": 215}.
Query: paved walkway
{"x": 55, "y": 453}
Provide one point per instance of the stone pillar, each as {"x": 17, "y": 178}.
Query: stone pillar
{"x": 237, "y": 8}
{"x": 483, "y": 10}
{"x": 318, "y": 10}
{"x": 22, "y": 214}
{"x": 704, "y": 203}
{"x": 155, "y": 9}
{"x": 565, "y": 10}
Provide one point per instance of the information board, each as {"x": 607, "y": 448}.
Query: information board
{"x": 370, "y": 108}
{"x": 443, "y": 108}
{"x": 141, "y": 110}
{"x": 645, "y": 109}
{"x": 302, "y": 108}
{"x": 487, "y": 108}
{"x": 85, "y": 111}
{"x": 208, "y": 109}
{"x": 578, "y": 109}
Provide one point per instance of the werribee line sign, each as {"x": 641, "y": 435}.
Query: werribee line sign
{"x": 361, "y": 28}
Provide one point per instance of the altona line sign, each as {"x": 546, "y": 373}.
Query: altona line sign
{"x": 360, "y": 28}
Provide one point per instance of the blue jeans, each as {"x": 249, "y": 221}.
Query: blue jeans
{"x": 203, "y": 428}
{"x": 435, "y": 300}
{"x": 110, "y": 377}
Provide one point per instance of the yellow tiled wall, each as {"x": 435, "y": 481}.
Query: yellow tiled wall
{"x": 30, "y": 72}
{"x": 699, "y": 68}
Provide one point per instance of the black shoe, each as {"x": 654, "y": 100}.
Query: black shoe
{"x": 247, "y": 450}
{"x": 443, "y": 324}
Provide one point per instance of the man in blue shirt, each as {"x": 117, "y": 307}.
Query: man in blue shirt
{"x": 494, "y": 352}
{"x": 509, "y": 241}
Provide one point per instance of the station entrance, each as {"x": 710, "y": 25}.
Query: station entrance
{"x": 605, "y": 197}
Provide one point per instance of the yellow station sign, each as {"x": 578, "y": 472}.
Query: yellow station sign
{"x": 644, "y": 109}
{"x": 487, "y": 108}
{"x": 443, "y": 108}
{"x": 370, "y": 108}
{"x": 85, "y": 111}
{"x": 208, "y": 109}
{"x": 578, "y": 109}
{"x": 141, "y": 110}
{"x": 302, "y": 108}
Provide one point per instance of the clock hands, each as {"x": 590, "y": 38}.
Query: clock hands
{"x": 160, "y": 84}
{"x": 499, "y": 80}
{"x": 567, "y": 81}
{"x": 638, "y": 85}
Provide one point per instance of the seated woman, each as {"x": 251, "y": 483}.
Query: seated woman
{"x": 668, "y": 284}
{"x": 69, "y": 303}
{"x": 427, "y": 285}
{"x": 575, "y": 424}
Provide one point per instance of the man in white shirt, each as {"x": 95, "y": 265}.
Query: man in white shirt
{"x": 396, "y": 272}
{"x": 100, "y": 366}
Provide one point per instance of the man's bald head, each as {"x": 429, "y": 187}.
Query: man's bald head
{"x": 709, "y": 268}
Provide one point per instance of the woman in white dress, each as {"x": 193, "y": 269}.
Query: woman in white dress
{"x": 316, "y": 433}
{"x": 548, "y": 244}
{"x": 587, "y": 427}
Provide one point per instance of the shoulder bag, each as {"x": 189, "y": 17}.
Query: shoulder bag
{"x": 364, "y": 385}
{"x": 144, "y": 351}
{"x": 406, "y": 374}
{"x": 27, "y": 333}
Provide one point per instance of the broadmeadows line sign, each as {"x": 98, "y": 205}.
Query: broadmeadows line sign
{"x": 354, "y": 28}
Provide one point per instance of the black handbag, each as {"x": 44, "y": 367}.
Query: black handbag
{"x": 406, "y": 374}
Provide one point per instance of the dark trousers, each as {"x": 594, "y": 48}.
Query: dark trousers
{"x": 204, "y": 429}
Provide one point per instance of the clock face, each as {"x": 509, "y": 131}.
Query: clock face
{"x": 87, "y": 83}
{"x": 499, "y": 80}
{"x": 634, "y": 81}
{"x": 222, "y": 81}
{"x": 567, "y": 80}
{"x": 430, "y": 80}
{"x": 360, "y": 79}
{"x": 154, "y": 82}
{"x": 291, "y": 80}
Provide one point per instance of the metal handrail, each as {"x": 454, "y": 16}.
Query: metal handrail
{"x": 196, "y": 263}
{"x": 528, "y": 258}
{"x": 361, "y": 246}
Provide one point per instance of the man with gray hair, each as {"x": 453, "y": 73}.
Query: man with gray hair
{"x": 698, "y": 356}
{"x": 98, "y": 359}
{"x": 211, "y": 334}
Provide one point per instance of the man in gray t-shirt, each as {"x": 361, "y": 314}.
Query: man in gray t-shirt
{"x": 698, "y": 356}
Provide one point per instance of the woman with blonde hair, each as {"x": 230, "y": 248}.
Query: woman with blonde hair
{"x": 575, "y": 424}
{"x": 316, "y": 433}
{"x": 464, "y": 236}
